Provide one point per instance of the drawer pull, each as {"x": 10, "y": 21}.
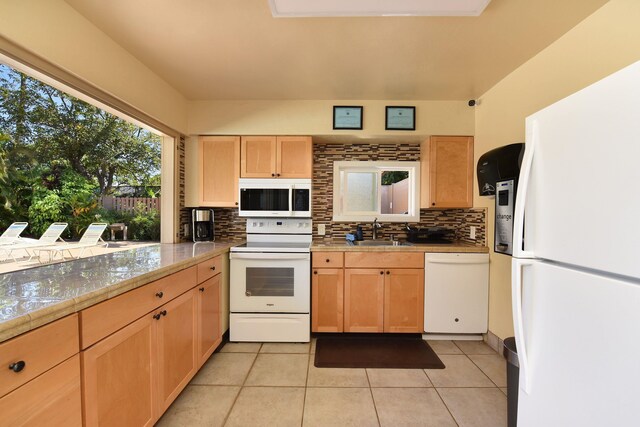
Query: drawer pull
{"x": 213, "y": 268}
{"x": 382, "y": 272}
{"x": 17, "y": 366}
{"x": 160, "y": 294}
{"x": 157, "y": 316}
{"x": 388, "y": 272}
{"x": 163, "y": 312}
{"x": 201, "y": 289}
{"x": 315, "y": 272}
{"x": 327, "y": 260}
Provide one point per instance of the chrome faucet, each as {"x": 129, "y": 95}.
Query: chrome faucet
{"x": 375, "y": 227}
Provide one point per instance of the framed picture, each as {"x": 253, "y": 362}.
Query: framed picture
{"x": 347, "y": 117}
{"x": 400, "y": 118}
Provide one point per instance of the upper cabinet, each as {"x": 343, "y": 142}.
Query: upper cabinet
{"x": 447, "y": 172}
{"x": 276, "y": 157}
{"x": 219, "y": 170}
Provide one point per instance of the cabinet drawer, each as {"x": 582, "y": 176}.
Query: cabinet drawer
{"x": 107, "y": 317}
{"x": 384, "y": 259}
{"x": 209, "y": 268}
{"x": 52, "y": 399}
{"x": 328, "y": 259}
{"x": 40, "y": 350}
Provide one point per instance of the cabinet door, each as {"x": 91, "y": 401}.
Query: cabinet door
{"x": 176, "y": 347}
{"x": 363, "y": 300}
{"x": 258, "y": 157}
{"x": 404, "y": 300}
{"x": 208, "y": 317}
{"x": 118, "y": 380}
{"x": 447, "y": 172}
{"x": 51, "y": 399}
{"x": 327, "y": 289}
{"x": 294, "y": 157}
{"x": 219, "y": 170}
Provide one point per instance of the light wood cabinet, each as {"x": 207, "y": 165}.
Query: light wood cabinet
{"x": 119, "y": 378}
{"x": 276, "y": 157}
{"x": 447, "y": 169}
{"x": 132, "y": 375}
{"x": 327, "y": 293}
{"x": 382, "y": 292}
{"x": 363, "y": 300}
{"x": 218, "y": 170}
{"x": 208, "y": 306}
{"x": 404, "y": 300}
{"x": 51, "y": 399}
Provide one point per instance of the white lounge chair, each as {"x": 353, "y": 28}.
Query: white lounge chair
{"x": 12, "y": 234}
{"x": 48, "y": 238}
{"x": 90, "y": 239}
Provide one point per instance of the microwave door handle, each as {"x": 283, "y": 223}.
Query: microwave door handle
{"x": 291, "y": 193}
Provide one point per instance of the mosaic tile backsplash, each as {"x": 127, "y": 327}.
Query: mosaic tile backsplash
{"x": 229, "y": 226}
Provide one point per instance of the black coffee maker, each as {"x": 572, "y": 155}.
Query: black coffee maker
{"x": 202, "y": 225}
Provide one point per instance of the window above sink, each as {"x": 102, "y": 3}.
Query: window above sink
{"x": 388, "y": 191}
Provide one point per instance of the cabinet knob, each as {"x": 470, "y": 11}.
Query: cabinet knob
{"x": 160, "y": 294}
{"x": 315, "y": 272}
{"x": 273, "y": 174}
{"x": 327, "y": 260}
{"x": 17, "y": 366}
{"x": 388, "y": 272}
{"x": 382, "y": 272}
{"x": 213, "y": 268}
{"x": 201, "y": 289}
{"x": 277, "y": 174}
{"x": 163, "y": 312}
{"x": 433, "y": 204}
{"x": 157, "y": 316}
{"x": 236, "y": 203}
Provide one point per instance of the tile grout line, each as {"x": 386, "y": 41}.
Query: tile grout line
{"x": 373, "y": 400}
{"x": 306, "y": 385}
{"x": 226, "y": 418}
{"x": 446, "y": 406}
{"x": 481, "y": 370}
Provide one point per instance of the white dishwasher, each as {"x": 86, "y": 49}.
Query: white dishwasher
{"x": 456, "y": 293}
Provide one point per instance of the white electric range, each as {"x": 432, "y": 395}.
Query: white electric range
{"x": 270, "y": 282}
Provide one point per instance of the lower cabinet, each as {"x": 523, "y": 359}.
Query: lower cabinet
{"x": 379, "y": 298}
{"x": 327, "y": 294}
{"x": 404, "y": 300}
{"x": 363, "y": 300}
{"x": 208, "y": 326}
{"x": 177, "y": 342}
{"x": 132, "y": 376}
{"x": 119, "y": 376}
{"x": 51, "y": 399}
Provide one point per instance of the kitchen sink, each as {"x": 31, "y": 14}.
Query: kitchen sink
{"x": 380, "y": 243}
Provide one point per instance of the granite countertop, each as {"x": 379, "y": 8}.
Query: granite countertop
{"x": 460, "y": 247}
{"x": 34, "y": 297}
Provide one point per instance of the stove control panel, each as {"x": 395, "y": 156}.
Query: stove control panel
{"x": 279, "y": 226}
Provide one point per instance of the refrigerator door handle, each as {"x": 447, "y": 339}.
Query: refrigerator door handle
{"x": 516, "y": 301}
{"x": 521, "y": 193}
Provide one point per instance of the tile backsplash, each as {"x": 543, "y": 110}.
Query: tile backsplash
{"x": 229, "y": 226}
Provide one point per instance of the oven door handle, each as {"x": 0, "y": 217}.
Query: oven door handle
{"x": 262, "y": 255}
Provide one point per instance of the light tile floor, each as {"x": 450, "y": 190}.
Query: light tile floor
{"x": 252, "y": 384}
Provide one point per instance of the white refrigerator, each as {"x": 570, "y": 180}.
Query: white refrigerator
{"x": 576, "y": 276}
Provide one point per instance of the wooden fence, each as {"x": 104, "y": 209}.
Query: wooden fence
{"x": 128, "y": 204}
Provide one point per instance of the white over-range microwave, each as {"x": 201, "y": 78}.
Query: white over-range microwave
{"x": 273, "y": 198}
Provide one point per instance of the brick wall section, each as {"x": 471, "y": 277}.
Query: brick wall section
{"x": 229, "y": 226}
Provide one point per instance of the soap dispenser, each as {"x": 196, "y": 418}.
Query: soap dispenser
{"x": 359, "y": 233}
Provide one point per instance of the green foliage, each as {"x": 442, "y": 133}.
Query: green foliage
{"x": 141, "y": 225}
{"x": 59, "y": 154}
{"x": 391, "y": 177}
{"x": 47, "y": 207}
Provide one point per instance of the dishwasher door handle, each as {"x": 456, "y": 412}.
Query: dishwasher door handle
{"x": 456, "y": 261}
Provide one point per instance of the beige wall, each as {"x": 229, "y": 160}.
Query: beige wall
{"x": 56, "y": 32}
{"x": 603, "y": 43}
{"x": 315, "y": 117}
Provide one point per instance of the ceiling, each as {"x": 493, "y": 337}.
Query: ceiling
{"x": 217, "y": 49}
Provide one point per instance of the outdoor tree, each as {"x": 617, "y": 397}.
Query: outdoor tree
{"x": 59, "y": 154}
